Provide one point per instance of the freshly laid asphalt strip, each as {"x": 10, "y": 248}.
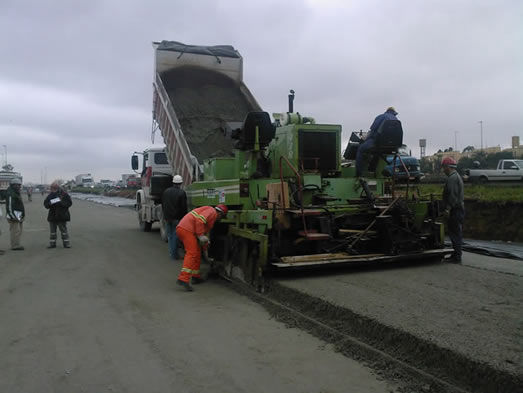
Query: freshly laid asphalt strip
{"x": 462, "y": 321}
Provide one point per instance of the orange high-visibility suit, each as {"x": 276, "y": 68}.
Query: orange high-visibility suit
{"x": 195, "y": 223}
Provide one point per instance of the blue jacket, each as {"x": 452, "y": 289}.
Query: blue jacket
{"x": 377, "y": 123}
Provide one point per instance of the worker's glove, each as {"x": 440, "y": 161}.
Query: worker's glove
{"x": 206, "y": 258}
{"x": 203, "y": 240}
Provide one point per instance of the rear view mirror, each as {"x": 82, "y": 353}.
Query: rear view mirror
{"x": 134, "y": 162}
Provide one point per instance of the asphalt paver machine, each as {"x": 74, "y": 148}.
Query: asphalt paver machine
{"x": 295, "y": 205}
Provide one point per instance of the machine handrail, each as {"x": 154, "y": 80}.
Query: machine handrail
{"x": 300, "y": 189}
{"x": 394, "y": 171}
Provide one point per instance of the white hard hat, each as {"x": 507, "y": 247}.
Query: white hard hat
{"x": 177, "y": 179}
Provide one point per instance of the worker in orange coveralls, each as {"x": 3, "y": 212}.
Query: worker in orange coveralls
{"x": 193, "y": 230}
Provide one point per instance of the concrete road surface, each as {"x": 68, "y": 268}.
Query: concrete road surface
{"x": 106, "y": 316}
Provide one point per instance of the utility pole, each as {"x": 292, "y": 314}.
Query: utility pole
{"x": 481, "y": 129}
{"x": 455, "y": 140}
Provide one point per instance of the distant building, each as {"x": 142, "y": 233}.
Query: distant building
{"x": 457, "y": 155}
{"x": 516, "y": 149}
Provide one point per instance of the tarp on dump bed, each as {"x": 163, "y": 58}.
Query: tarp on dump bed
{"x": 217, "y": 50}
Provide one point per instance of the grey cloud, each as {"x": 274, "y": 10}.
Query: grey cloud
{"x": 75, "y": 77}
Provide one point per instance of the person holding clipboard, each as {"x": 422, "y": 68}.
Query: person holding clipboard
{"x": 58, "y": 202}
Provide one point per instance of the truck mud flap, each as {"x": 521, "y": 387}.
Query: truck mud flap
{"x": 340, "y": 259}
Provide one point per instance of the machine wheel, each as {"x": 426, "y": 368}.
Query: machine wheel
{"x": 145, "y": 226}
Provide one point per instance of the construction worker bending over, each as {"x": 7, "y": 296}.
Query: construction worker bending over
{"x": 454, "y": 207}
{"x": 372, "y": 136}
{"x": 193, "y": 230}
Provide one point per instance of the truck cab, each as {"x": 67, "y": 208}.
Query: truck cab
{"x": 412, "y": 165}
{"x": 155, "y": 176}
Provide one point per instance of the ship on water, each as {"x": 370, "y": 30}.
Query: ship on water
{"x": 6, "y": 175}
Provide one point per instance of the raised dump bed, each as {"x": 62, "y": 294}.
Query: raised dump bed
{"x": 198, "y": 90}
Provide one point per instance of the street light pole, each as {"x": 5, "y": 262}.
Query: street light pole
{"x": 481, "y": 129}
{"x": 455, "y": 140}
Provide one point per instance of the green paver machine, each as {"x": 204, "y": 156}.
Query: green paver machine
{"x": 294, "y": 204}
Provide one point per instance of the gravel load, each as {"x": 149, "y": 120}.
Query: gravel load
{"x": 204, "y": 101}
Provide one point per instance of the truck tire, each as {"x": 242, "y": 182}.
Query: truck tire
{"x": 145, "y": 226}
{"x": 483, "y": 179}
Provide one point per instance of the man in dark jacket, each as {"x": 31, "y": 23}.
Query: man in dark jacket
{"x": 58, "y": 202}
{"x": 372, "y": 136}
{"x": 454, "y": 207}
{"x": 174, "y": 207}
{"x": 15, "y": 213}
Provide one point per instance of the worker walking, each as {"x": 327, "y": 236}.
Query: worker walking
{"x": 174, "y": 207}
{"x": 58, "y": 202}
{"x": 454, "y": 207}
{"x": 193, "y": 230}
{"x": 372, "y": 136}
{"x": 15, "y": 213}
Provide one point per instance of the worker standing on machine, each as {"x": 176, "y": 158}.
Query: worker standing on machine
{"x": 372, "y": 136}
{"x": 193, "y": 230}
{"x": 454, "y": 207}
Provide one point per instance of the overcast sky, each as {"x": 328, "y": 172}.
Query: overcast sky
{"x": 76, "y": 76}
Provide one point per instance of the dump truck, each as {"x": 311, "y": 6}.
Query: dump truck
{"x": 198, "y": 97}
{"x": 292, "y": 204}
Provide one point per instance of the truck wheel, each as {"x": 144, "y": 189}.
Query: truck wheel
{"x": 145, "y": 226}
{"x": 483, "y": 180}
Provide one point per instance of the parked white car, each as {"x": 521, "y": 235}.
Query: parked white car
{"x": 506, "y": 170}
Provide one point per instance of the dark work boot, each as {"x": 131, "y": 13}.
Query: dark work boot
{"x": 187, "y": 286}
{"x": 197, "y": 280}
{"x": 454, "y": 258}
{"x": 67, "y": 245}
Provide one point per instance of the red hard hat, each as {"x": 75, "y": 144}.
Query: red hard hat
{"x": 222, "y": 208}
{"x": 449, "y": 161}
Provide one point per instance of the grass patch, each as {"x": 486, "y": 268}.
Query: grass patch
{"x": 480, "y": 193}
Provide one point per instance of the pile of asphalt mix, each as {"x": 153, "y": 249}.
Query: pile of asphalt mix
{"x": 204, "y": 101}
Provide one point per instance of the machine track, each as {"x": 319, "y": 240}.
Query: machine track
{"x": 417, "y": 367}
